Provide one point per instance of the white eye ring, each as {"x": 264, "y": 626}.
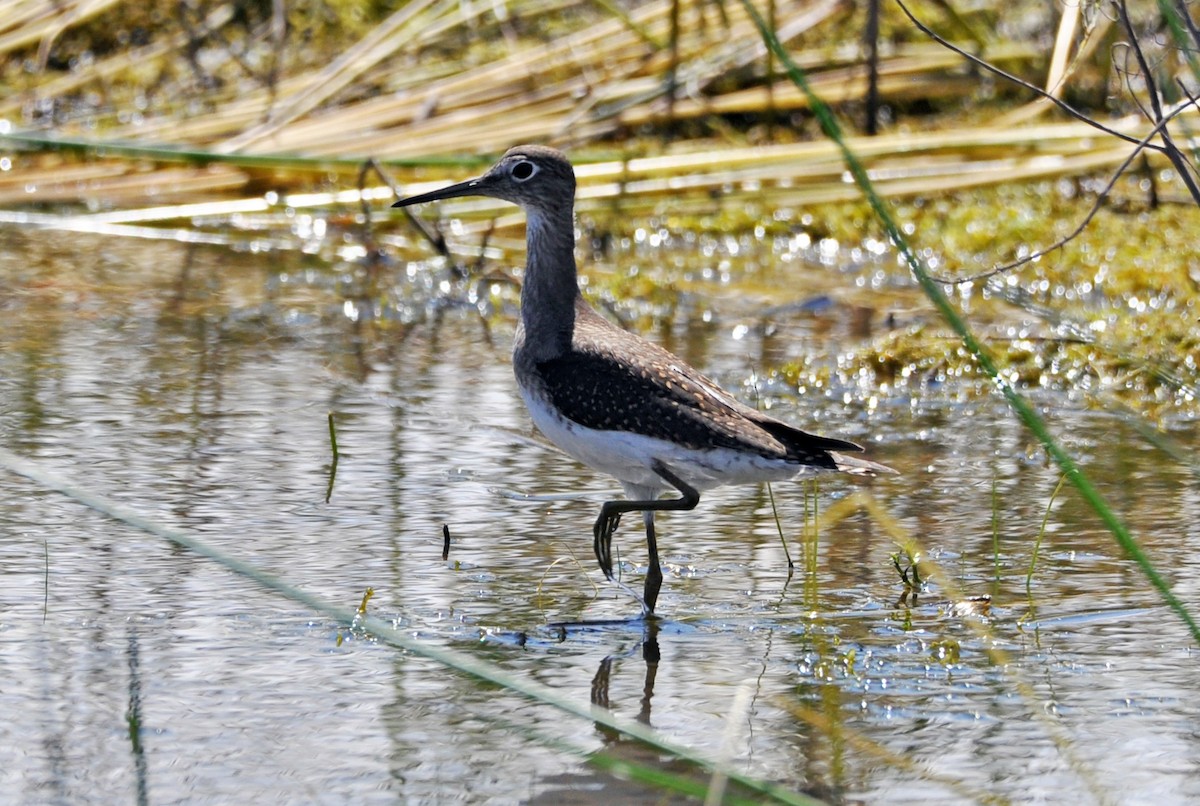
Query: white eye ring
{"x": 518, "y": 171}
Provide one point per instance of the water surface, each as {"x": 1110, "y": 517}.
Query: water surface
{"x": 193, "y": 384}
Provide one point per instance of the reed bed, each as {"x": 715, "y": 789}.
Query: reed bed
{"x": 421, "y": 84}
{"x": 809, "y": 173}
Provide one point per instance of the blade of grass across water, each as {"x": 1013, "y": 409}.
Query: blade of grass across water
{"x": 978, "y": 351}
{"x": 386, "y": 633}
{"x": 167, "y": 153}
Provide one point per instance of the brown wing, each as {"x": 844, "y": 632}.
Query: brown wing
{"x": 649, "y": 391}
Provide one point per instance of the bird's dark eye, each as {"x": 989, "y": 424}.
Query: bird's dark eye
{"x": 523, "y": 170}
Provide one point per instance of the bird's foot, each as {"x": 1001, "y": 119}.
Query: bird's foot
{"x": 606, "y": 526}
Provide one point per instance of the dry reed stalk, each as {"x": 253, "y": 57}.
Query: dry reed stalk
{"x": 405, "y": 127}
{"x": 393, "y": 34}
{"x": 913, "y": 72}
{"x": 23, "y": 180}
{"x": 903, "y": 164}
{"x": 111, "y": 66}
{"x": 824, "y": 182}
{"x": 834, "y": 88}
{"x": 606, "y": 76}
{"x": 813, "y": 173}
{"x": 247, "y": 111}
{"x": 1062, "y": 138}
{"x": 488, "y": 100}
{"x": 24, "y": 23}
{"x": 461, "y": 90}
{"x": 1095, "y": 37}
{"x": 702, "y": 57}
{"x": 127, "y": 187}
{"x": 574, "y": 57}
{"x": 483, "y": 129}
{"x": 1064, "y": 40}
{"x": 28, "y": 21}
{"x": 493, "y": 83}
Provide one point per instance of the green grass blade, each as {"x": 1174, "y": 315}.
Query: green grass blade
{"x": 941, "y": 302}
{"x": 198, "y": 156}
{"x": 1037, "y": 544}
{"x": 386, "y": 633}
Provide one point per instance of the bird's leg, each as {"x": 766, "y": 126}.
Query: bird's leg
{"x": 610, "y": 516}
{"x": 654, "y": 575}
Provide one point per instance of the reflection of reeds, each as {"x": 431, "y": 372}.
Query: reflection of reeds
{"x": 116, "y": 183}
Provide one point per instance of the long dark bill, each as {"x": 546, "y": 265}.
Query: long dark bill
{"x": 472, "y": 187}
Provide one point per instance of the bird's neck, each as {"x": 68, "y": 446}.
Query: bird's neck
{"x": 550, "y": 289}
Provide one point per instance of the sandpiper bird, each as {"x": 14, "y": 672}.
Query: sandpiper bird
{"x": 613, "y": 400}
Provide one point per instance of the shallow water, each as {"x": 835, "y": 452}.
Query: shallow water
{"x": 193, "y": 385}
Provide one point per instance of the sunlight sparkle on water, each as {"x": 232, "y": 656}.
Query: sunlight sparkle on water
{"x": 352, "y": 252}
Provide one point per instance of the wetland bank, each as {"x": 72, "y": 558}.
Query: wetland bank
{"x": 183, "y": 309}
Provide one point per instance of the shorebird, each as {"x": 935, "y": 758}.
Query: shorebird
{"x": 614, "y": 401}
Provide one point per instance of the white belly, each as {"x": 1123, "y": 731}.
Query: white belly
{"x": 629, "y": 457}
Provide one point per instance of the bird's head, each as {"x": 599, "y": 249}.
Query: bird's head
{"x": 535, "y": 177}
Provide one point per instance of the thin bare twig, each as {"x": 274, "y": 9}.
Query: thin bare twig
{"x": 872, "y": 39}
{"x": 431, "y": 234}
{"x": 1141, "y": 147}
{"x": 1169, "y": 148}
{"x": 1063, "y": 105}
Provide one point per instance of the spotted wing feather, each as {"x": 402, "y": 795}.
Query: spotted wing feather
{"x": 649, "y": 391}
